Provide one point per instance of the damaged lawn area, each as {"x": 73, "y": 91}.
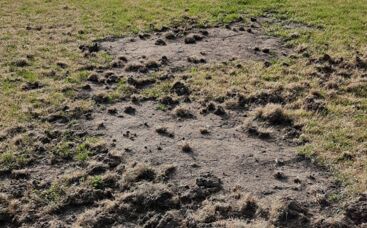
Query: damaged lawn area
{"x": 332, "y": 114}
{"x": 84, "y": 86}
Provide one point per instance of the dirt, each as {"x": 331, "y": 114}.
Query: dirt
{"x": 198, "y": 45}
{"x": 249, "y": 162}
{"x": 188, "y": 164}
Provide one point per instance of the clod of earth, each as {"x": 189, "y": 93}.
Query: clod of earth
{"x": 169, "y": 35}
{"x": 257, "y": 131}
{"x": 144, "y": 36}
{"x": 93, "y": 78}
{"x": 95, "y": 47}
{"x": 21, "y": 63}
{"x": 190, "y": 40}
{"x": 168, "y": 101}
{"x": 152, "y": 65}
{"x": 164, "y": 131}
{"x": 183, "y": 113}
{"x": 357, "y": 210}
{"x": 160, "y": 42}
{"x": 186, "y": 148}
{"x": 62, "y": 65}
{"x": 32, "y": 85}
{"x": 140, "y": 83}
{"x": 130, "y": 110}
{"x": 209, "y": 181}
{"x": 220, "y": 111}
{"x": 112, "y": 111}
{"x": 117, "y": 64}
{"x": 135, "y": 67}
{"x": 274, "y": 114}
{"x": 280, "y": 175}
{"x": 196, "y": 60}
{"x": 86, "y": 87}
{"x": 112, "y": 79}
{"x": 180, "y": 89}
{"x": 292, "y": 214}
{"x": 102, "y": 98}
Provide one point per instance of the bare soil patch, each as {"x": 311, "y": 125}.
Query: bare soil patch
{"x": 181, "y": 47}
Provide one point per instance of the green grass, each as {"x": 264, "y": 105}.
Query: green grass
{"x": 337, "y": 27}
{"x": 96, "y": 182}
{"x": 53, "y": 194}
{"x": 78, "y": 149}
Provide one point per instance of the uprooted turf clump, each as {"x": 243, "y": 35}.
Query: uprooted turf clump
{"x": 273, "y": 114}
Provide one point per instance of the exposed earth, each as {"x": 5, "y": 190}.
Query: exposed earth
{"x": 180, "y": 160}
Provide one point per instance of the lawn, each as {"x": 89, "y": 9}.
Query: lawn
{"x": 46, "y": 34}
